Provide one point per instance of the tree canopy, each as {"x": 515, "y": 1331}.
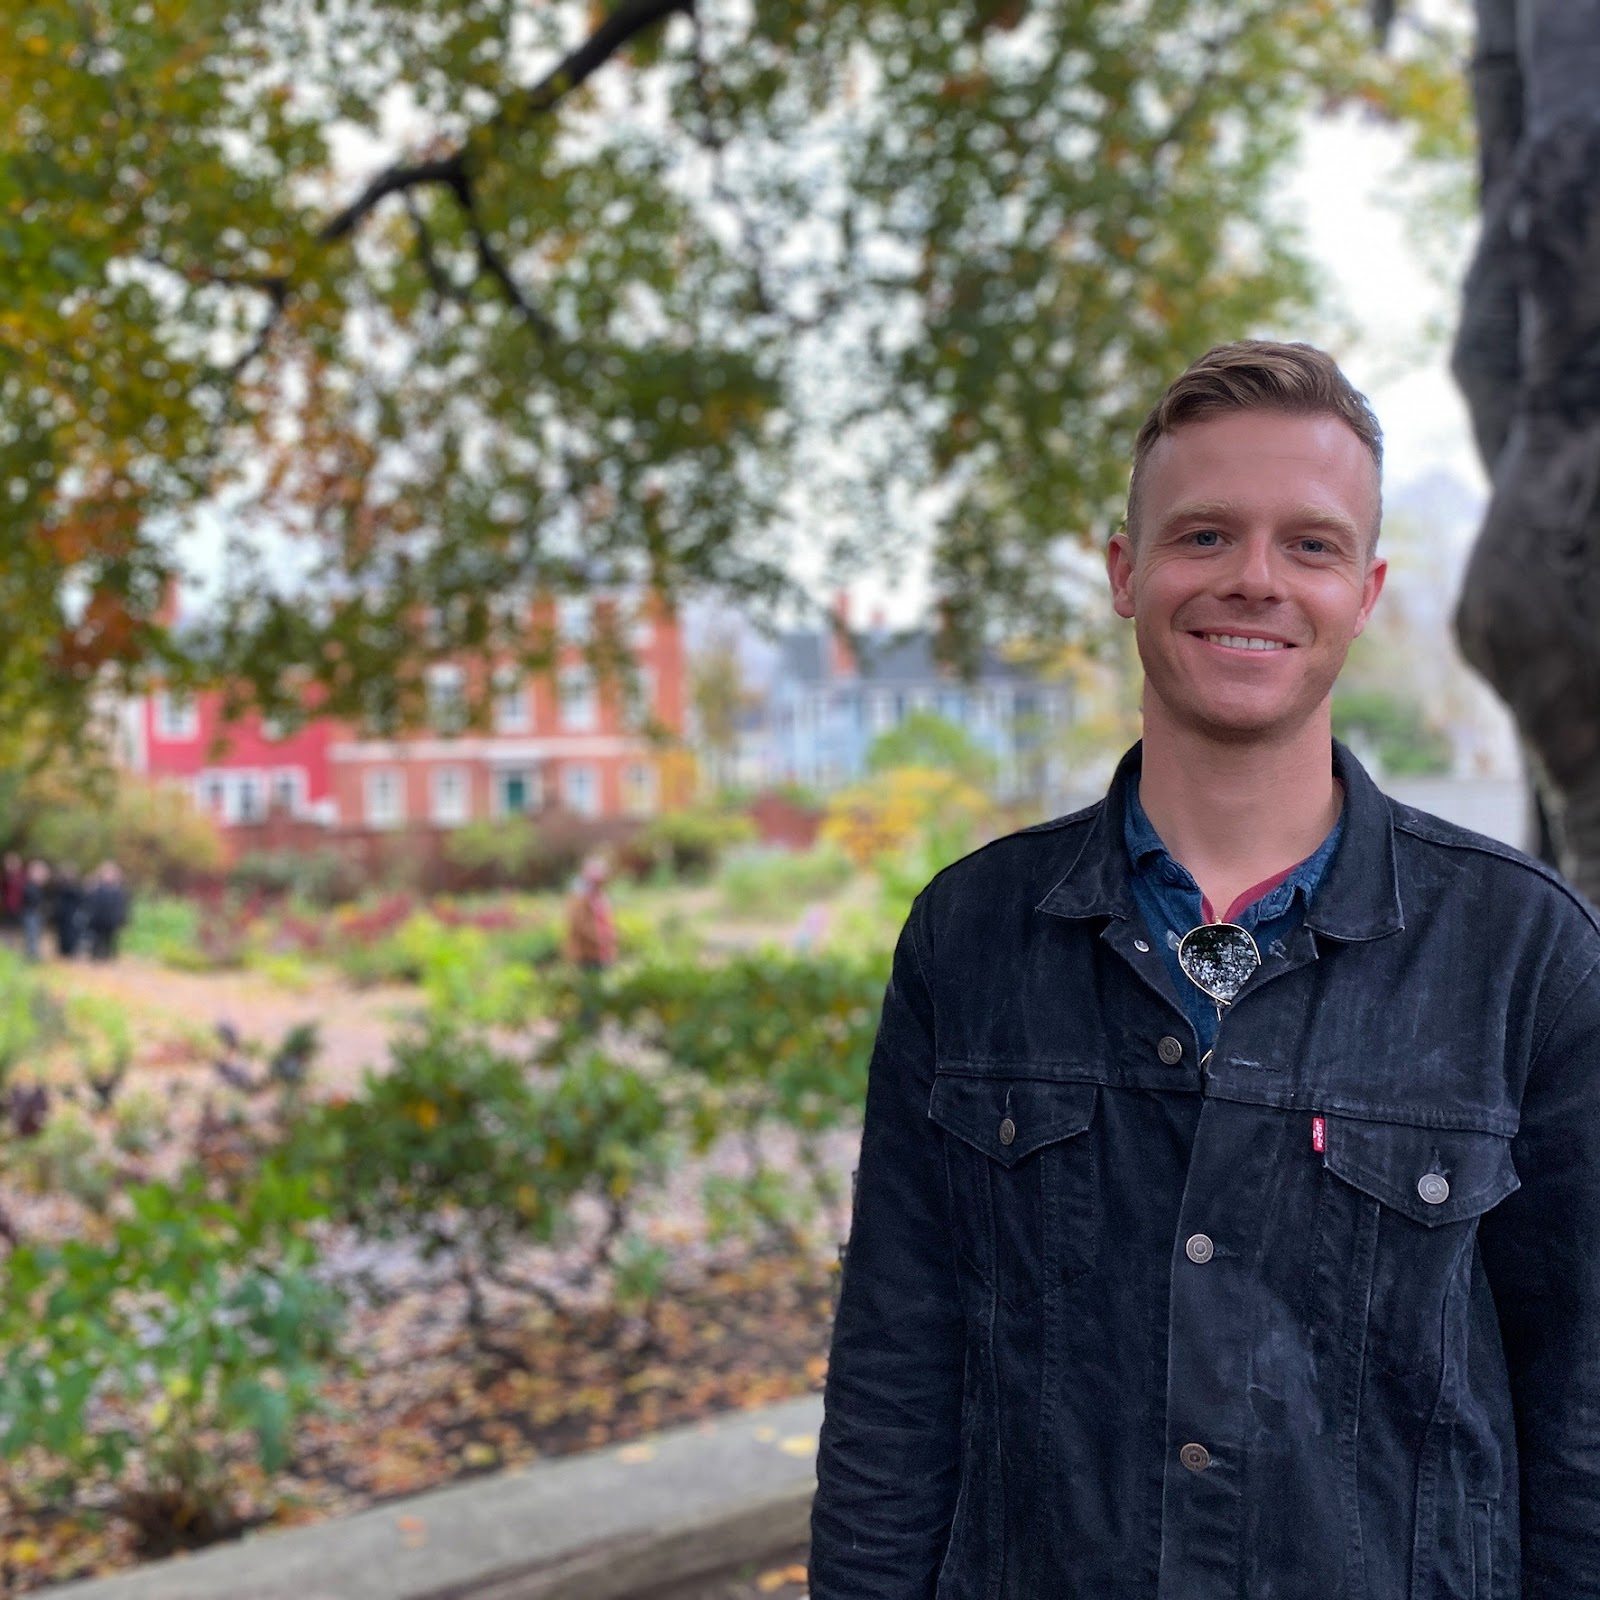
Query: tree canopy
{"x": 436, "y": 303}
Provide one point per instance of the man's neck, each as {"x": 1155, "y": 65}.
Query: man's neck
{"x": 1237, "y": 814}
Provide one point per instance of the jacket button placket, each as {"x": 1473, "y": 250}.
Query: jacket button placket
{"x": 1207, "y": 1364}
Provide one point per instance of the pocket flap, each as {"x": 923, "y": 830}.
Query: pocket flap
{"x": 1432, "y": 1175}
{"x": 1009, "y": 1118}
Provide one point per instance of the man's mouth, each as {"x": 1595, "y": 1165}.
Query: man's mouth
{"x": 1244, "y": 641}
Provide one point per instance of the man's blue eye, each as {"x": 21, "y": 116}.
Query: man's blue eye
{"x": 1206, "y": 536}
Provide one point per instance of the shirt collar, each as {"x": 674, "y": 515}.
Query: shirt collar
{"x": 1153, "y": 861}
{"x": 1359, "y": 897}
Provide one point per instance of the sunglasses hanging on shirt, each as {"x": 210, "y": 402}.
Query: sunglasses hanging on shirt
{"x": 1218, "y": 958}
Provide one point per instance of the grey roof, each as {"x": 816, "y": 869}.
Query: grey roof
{"x": 884, "y": 658}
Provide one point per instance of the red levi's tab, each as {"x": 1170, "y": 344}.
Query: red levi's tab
{"x": 1319, "y": 1135}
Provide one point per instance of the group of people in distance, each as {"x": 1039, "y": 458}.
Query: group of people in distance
{"x": 84, "y": 915}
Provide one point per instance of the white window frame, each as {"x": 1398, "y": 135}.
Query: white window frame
{"x": 572, "y": 797}
{"x": 447, "y": 697}
{"x": 176, "y": 715}
{"x": 641, "y": 789}
{"x": 642, "y": 695}
{"x": 251, "y": 795}
{"x": 379, "y": 782}
{"x": 575, "y": 618}
{"x": 449, "y": 796}
{"x": 287, "y": 784}
{"x": 513, "y": 709}
{"x": 578, "y": 700}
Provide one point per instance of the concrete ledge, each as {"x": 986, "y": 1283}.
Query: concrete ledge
{"x": 679, "y": 1506}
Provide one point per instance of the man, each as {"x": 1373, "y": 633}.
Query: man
{"x": 1255, "y": 1261}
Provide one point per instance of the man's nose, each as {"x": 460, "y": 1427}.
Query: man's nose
{"x": 1253, "y": 572}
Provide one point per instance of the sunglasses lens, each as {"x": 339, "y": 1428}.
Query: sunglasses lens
{"x": 1219, "y": 958}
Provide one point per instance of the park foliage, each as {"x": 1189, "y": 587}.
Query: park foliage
{"x": 476, "y": 297}
{"x": 194, "y": 1319}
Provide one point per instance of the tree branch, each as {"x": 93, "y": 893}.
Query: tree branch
{"x": 490, "y": 262}
{"x": 623, "y": 24}
{"x": 443, "y": 286}
{"x": 398, "y": 179}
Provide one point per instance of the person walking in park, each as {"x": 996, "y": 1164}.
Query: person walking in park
{"x": 13, "y": 879}
{"x": 105, "y": 910}
{"x": 591, "y": 928}
{"x": 591, "y": 941}
{"x": 35, "y": 905}
{"x": 66, "y": 910}
{"x": 1229, "y": 1189}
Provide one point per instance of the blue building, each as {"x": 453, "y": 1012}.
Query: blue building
{"x": 826, "y": 705}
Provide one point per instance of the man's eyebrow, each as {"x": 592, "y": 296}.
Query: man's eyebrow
{"x": 1305, "y": 516}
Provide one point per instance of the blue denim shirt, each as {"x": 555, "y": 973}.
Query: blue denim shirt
{"x": 1313, "y": 1317}
{"x": 1169, "y": 900}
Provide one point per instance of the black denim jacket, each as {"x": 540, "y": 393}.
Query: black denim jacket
{"x": 1393, "y": 1359}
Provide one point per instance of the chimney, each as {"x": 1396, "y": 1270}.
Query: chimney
{"x": 841, "y": 658}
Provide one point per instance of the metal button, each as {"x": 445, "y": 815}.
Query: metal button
{"x": 1195, "y": 1457}
{"x": 1141, "y": 947}
{"x": 1170, "y": 1050}
{"x": 1008, "y": 1131}
{"x": 1199, "y": 1248}
{"x": 1434, "y": 1188}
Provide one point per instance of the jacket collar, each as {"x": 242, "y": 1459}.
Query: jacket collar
{"x": 1358, "y": 898}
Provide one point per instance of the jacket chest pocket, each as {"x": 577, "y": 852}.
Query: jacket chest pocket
{"x": 1022, "y": 1179}
{"x": 1409, "y": 1199}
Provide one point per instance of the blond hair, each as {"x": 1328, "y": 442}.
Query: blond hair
{"x": 1296, "y": 380}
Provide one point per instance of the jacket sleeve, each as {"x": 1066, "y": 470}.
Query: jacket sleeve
{"x": 1541, "y": 1250}
{"x": 889, "y": 1456}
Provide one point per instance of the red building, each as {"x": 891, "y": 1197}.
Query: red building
{"x": 240, "y": 772}
{"x": 557, "y": 742}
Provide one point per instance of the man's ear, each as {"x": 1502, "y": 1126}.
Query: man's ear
{"x": 1119, "y": 569}
{"x": 1371, "y": 588}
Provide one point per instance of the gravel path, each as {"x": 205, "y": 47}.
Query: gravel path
{"x": 356, "y": 1024}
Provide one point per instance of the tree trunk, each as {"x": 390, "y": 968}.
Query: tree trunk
{"x": 1527, "y": 359}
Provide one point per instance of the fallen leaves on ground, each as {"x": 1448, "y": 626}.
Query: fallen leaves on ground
{"x": 749, "y": 1336}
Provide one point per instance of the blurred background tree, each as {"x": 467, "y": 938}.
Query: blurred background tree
{"x": 1529, "y": 616}
{"x": 927, "y": 740}
{"x": 426, "y": 304}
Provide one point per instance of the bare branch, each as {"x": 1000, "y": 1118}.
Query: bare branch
{"x": 444, "y": 287}
{"x": 397, "y": 179}
{"x": 490, "y": 261}
{"x": 626, "y": 22}
{"x": 623, "y": 24}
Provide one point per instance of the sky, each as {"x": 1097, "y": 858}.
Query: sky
{"x": 1373, "y": 270}
{"x": 1373, "y": 275}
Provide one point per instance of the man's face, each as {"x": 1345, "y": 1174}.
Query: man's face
{"x": 1249, "y": 573}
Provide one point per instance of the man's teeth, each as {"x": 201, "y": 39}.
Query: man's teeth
{"x": 1237, "y": 641}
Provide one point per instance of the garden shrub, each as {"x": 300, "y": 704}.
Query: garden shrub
{"x": 154, "y": 831}
{"x": 321, "y": 877}
{"x": 31, "y": 1019}
{"x": 64, "y": 1157}
{"x": 770, "y": 1039}
{"x": 194, "y": 1319}
{"x": 498, "y": 852}
{"x": 163, "y": 928}
{"x": 686, "y": 843}
{"x": 460, "y": 1150}
{"x": 773, "y": 884}
{"x": 886, "y": 814}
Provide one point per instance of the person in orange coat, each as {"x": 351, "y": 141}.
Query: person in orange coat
{"x": 591, "y": 928}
